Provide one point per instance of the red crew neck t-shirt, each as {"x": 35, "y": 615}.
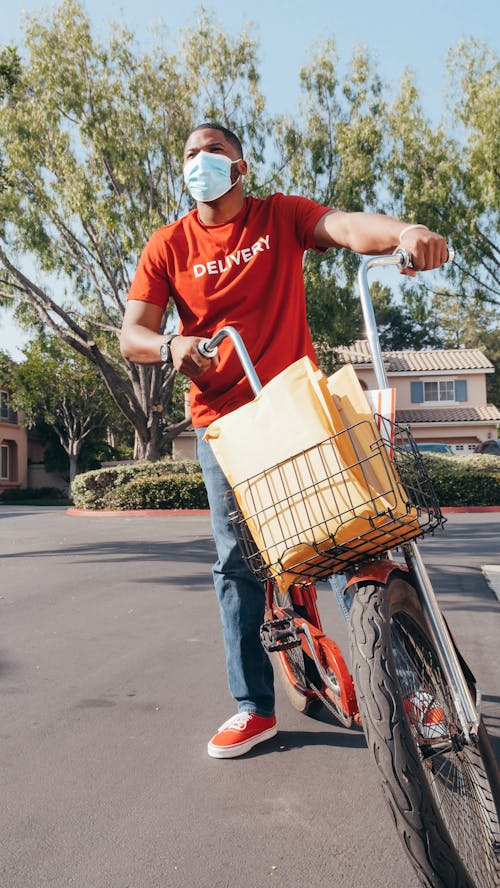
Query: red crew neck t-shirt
{"x": 246, "y": 273}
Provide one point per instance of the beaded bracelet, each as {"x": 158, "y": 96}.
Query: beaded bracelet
{"x": 409, "y": 228}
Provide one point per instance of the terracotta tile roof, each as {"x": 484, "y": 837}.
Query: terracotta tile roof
{"x": 417, "y": 361}
{"x": 485, "y": 413}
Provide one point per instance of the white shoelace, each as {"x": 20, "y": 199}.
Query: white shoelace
{"x": 238, "y": 722}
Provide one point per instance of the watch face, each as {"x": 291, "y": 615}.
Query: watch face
{"x": 165, "y": 352}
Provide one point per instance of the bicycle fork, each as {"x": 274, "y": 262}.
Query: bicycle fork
{"x": 465, "y": 707}
{"x": 468, "y": 712}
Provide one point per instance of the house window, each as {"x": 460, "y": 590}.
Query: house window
{"x": 4, "y": 462}
{"x": 4, "y": 405}
{"x": 6, "y": 411}
{"x": 440, "y": 390}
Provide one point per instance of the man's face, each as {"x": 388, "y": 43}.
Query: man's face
{"x": 214, "y": 142}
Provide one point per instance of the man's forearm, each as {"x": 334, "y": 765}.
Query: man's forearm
{"x": 360, "y": 232}
{"x": 374, "y": 233}
{"x": 140, "y": 345}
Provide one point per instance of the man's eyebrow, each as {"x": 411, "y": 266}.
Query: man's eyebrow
{"x": 213, "y": 143}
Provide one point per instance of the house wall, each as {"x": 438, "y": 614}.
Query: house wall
{"x": 462, "y": 438}
{"x": 476, "y": 388}
{"x": 39, "y": 477}
{"x": 14, "y": 437}
{"x": 184, "y": 446}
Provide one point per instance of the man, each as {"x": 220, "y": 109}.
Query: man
{"x": 236, "y": 260}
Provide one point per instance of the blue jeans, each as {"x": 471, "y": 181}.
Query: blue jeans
{"x": 241, "y": 600}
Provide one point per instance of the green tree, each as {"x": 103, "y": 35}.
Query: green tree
{"x": 406, "y": 323}
{"x": 91, "y": 142}
{"x": 449, "y": 177}
{"x": 334, "y": 154}
{"x": 55, "y": 386}
{"x": 465, "y": 320}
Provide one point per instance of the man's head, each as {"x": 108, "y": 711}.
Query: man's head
{"x": 213, "y": 163}
{"x": 217, "y": 129}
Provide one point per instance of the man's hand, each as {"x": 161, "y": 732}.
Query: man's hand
{"x": 426, "y": 250}
{"x": 187, "y": 359}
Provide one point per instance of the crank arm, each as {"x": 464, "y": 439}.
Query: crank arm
{"x": 334, "y": 686}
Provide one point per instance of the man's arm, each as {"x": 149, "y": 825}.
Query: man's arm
{"x": 373, "y": 234}
{"x": 140, "y": 341}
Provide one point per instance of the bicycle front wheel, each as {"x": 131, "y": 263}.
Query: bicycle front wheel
{"x": 442, "y": 790}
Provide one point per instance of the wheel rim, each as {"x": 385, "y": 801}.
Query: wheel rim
{"x": 453, "y": 768}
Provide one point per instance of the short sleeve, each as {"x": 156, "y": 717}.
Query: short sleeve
{"x": 307, "y": 215}
{"x": 151, "y": 281}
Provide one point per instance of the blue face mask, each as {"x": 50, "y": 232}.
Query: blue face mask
{"x": 208, "y": 176}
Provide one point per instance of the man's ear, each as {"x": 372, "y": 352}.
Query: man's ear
{"x": 242, "y": 167}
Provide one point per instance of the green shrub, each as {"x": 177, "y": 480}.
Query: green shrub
{"x": 165, "y": 492}
{"x": 168, "y": 484}
{"x": 107, "y": 488}
{"x": 465, "y": 480}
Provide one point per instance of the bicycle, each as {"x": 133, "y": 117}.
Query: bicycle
{"x": 410, "y": 689}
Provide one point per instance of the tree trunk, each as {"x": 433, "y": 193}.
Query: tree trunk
{"x": 73, "y": 466}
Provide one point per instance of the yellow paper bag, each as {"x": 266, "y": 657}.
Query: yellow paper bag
{"x": 290, "y": 481}
{"x": 375, "y": 468}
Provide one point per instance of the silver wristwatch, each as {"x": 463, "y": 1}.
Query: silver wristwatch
{"x": 165, "y": 353}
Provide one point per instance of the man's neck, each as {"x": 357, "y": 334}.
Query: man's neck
{"x": 222, "y": 210}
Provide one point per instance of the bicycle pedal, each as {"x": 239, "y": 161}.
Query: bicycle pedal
{"x": 279, "y": 635}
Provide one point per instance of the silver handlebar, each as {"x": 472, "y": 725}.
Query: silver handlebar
{"x": 208, "y": 347}
{"x": 401, "y": 259}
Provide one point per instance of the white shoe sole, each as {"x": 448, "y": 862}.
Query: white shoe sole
{"x": 225, "y": 752}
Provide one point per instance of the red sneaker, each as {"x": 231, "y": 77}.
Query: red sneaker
{"x": 240, "y": 734}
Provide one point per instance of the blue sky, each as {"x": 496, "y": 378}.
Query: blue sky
{"x": 400, "y": 34}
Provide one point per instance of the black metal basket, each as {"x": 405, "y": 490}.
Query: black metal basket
{"x": 318, "y": 527}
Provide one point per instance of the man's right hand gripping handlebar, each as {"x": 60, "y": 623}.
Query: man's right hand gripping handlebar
{"x": 189, "y": 356}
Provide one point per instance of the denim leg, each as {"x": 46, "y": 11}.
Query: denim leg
{"x": 241, "y": 600}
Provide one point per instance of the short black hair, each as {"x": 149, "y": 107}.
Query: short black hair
{"x": 231, "y": 137}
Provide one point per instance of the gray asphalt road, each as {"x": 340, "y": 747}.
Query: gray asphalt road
{"x": 111, "y": 682}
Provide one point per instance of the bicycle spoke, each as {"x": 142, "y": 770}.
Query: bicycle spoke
{"x": 454, "y": 773}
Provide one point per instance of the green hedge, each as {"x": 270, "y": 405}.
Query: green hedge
{"x": 465, "y": 480}
{"x": 166, "y": 484}
{"x": 458, "y": 481}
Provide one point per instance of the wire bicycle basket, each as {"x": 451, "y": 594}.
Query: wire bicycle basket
{"x": 335, "y": 504}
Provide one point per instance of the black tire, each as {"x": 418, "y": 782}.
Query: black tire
{"x": 441, "y": 792}
{"x": 294, "y": 663}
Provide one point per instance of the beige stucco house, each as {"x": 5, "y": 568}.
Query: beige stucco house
{"x": 13, "y": 447}
{"x": 440, "y": 393}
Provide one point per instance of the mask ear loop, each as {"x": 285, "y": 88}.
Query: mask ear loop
{"x": 240, "y": 177}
